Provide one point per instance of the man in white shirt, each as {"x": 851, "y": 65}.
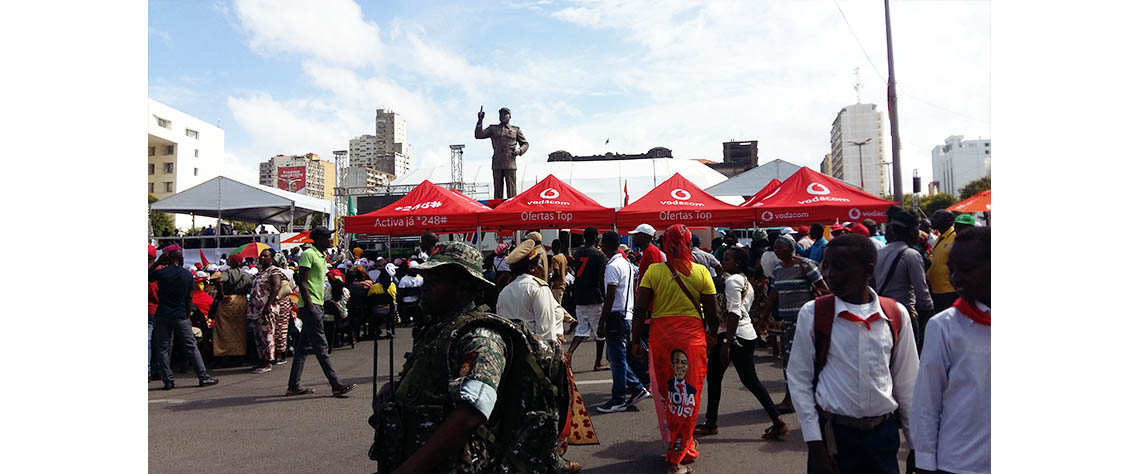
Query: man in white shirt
{"x": 616, "y": 325}
{"x": 528, "y": 298}
{"x": 848, "y": 416}
{"x": 951, "y": 427}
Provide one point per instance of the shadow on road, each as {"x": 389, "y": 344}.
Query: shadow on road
{"x": 239, "y": 401}
{"x": 622, "y": 450}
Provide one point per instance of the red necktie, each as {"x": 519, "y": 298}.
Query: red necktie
{"x": 972, "y": 312}
{"x": 867, "y": 322}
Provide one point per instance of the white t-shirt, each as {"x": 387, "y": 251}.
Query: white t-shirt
{"x": 619, "y": 272}
{"x": 768, "y": 262}
{"x": 739, "y": 295}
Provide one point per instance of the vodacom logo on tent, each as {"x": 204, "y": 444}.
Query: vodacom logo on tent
{"x": 854, "y": 213}
{"x": 766, "y": 216}
{"x": 681, "y": 195}
{"x": 818, "y": 189}
{"x": 549, "y": 193}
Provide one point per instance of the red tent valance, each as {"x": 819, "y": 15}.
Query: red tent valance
{"x": 549, "y": 204}
{"x": 427, "y": 207}
{"x": 808, "y": 196}
{"x": 679, "y": 201}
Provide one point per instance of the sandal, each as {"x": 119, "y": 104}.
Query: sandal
{"x": 601, "y": 367}
{"x": 705, "y": 429}
{"x": 774, "y": 432}
{"x": 571, "y": 466}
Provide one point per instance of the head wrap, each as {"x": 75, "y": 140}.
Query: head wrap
{"x": 336, "y": 275}
{"x": 357, "y": 252}
{"x": 677, "y": 249}
{"x": 280, "y": 260}
{"x": 171, "y": 248}
{"x": 787, "y": 239}
{"x": 234, "y": 260}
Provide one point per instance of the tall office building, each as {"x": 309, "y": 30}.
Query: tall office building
{"x": 859, "y": 123}
{"x": 957, "y": 162}
{"x": 394, "y": 152}
{"x": 364, "y": 151}
{"x": 182, "y": 152}
{"x": 307, "y": 174}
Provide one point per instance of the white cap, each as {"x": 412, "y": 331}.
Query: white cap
{"x": 413, "y": 264}
{"x": 787, "y": 231}
{"x": 644, "y": 229}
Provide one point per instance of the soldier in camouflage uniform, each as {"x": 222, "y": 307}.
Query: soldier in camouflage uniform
{"x": 444, "y": 413}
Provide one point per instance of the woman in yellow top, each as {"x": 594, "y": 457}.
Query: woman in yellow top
{"x": 381, "y": 305}
{"x": 684, "y": 321}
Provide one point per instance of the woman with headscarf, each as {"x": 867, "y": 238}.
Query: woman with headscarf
{"x": 232, "y": 305}
{"x": 269, "y": 307}
{"x": 795, "y": 281}
{"x": 685, "y": 318}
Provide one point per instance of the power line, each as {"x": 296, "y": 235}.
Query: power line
{"x": 860, "y": 43}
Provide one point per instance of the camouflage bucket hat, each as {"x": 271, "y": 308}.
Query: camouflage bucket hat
{"x": 461, "y": 254}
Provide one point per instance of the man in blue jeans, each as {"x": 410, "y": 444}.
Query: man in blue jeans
{"x": 616, "y": 324}
{"x": 310, "y": 276}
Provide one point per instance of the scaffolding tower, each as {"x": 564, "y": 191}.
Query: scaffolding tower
{"x": 457, "y": 164}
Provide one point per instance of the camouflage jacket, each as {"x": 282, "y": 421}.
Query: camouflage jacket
{"x": 522, "y": 430}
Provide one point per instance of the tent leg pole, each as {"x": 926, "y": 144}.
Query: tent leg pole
{"x": 389, "y": 247}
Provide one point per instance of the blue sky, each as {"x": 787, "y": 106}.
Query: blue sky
{"x": 296, "y": 76}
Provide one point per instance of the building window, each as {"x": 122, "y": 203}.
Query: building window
{"x": 151, "y": 187}
{"x": 150, "y": 168}
{"x": 169, "y": 186}
{"x": 168, "y": 168}
{"x": 192, "y": 134}
{"x": 987, "y": 152}
{"x": 169, "y": 149}
{"x": 195, "y": 171}
{"x": 151, "y": 151}
{"x": 195, "y": 153}
{"x": 162, "y": 122}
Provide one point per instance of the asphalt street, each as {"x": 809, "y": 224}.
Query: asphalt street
{"x": 246, "y": 424}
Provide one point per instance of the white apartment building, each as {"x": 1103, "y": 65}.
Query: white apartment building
{"x": 182, "y": 152}
{"x": 360, "y": 178}
{"x": 856, "y": 124}
{"x": 958, "y": 161}
{"x": 307, "y": 174}
{"x": 364, "y": 151}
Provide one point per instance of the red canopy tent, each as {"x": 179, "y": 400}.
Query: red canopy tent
{"x": 764, "y": 192}
{"x": 549, "y": 204}
{"x": 679, "y": 201}
{"x": 427, "y": 207}
{"x": 977, "y": 203}
{"x": 808, "y": 196}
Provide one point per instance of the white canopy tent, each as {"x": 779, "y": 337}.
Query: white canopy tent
{"x": 233, "y": 200}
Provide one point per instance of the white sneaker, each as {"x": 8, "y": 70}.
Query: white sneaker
{"x": 639, "y": 396}
{"x": 611, "y": 407}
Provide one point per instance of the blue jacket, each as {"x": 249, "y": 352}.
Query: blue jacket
{"x": 815, "y": 252}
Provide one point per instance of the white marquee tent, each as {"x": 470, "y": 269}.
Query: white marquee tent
{"x": 230, "y": 199}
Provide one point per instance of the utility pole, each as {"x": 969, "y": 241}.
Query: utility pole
{"x": 893, "y": 109}
{"x": 860, "y": 145}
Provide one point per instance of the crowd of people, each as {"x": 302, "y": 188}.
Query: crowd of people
{"x": 879, "y": 329}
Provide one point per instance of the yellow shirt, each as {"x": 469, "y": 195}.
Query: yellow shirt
{"x": 938, "y": 276}
{"x": 668, "y": 299}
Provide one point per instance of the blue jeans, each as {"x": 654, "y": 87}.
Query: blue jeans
{"x": 149, "y": 333}
{"x": 617, "y": 341}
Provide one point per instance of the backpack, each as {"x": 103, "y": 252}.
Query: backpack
{"x": 825, "y": 318}
{"x": 529, "y": 413}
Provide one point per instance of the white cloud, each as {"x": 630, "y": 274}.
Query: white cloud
{"x": 330, "y": 30}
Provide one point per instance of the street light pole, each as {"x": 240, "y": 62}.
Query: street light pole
{"x": 860, "y": 145}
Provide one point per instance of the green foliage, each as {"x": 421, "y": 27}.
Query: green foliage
{"x": 976, "y": 186}
{"x": 928, "y": 203}
{"x": 161, "y": 223}
{"x": 245, "y": 227}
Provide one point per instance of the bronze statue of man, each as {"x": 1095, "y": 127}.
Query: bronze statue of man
{"x": 504, "y": 139}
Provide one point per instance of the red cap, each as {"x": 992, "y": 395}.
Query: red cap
{"x": 151, "y": 251}
{"x": 804, "y": 230}
{"x": 335, "y": 274}
{"x": 860, "y": 229}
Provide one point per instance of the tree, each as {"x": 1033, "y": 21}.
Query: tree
{"x": 161, "y": 223}
{"x": 934, "y": 202}
{"x": 976, "y": 186}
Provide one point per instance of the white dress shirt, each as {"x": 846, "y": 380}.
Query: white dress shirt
{"x": 738, "y": 295}
{"x": 952, "y": 395}
{"x": 619, "y": 272}
{"x": 530, "y": 300}
{"x": 860, "y": 379}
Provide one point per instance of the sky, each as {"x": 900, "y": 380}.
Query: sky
{"x": 295, "y": 76}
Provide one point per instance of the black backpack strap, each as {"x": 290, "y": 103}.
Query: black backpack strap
{"x": 878, "y": 286}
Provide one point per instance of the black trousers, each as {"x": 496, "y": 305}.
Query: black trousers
{"x": 166, "y": 332}
{"x": 740, "y": 356}
{"x": 865, "y": 451}
{"x": 312, "y": 335}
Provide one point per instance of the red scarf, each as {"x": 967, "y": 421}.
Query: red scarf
{"x": 972, "y": 312}
{"x": 852, "y": 317}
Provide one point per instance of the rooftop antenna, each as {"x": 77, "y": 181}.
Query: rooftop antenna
{"x": 858, "y": 87}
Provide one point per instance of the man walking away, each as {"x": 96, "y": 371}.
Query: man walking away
{"x": 852, "y": 403}
{"x": 899, "y": 270}
{"x": 951, "y": 427}
{"x": 938, "y": 275}
{"x": 590, "y": 270}
{"x": 175, "y": 288}
{"x": 311, "y": 270}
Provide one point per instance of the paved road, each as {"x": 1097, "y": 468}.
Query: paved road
{"x": 246, "y": 424}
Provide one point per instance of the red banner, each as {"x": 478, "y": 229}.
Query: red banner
{"x": 291, "y": 178}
